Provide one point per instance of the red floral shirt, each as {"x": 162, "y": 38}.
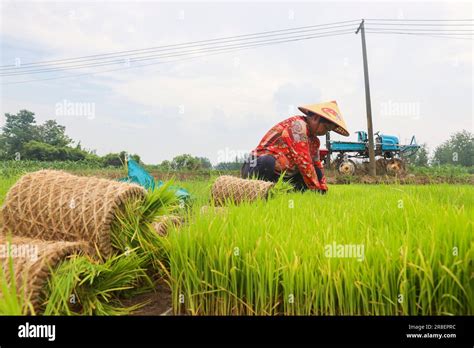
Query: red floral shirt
{"x": 294, "y": 150}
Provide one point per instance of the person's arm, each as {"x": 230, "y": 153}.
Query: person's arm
{"x": 296, "y": 139}
{"x": 321, "y": 177}
{"x": 314, "y": 144}
{"x": 318, "y": 166}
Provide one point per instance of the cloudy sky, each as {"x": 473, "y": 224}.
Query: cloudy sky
{"x": 220, "y": 105}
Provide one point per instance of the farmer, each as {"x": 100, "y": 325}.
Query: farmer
{"x": 292, "y": 146}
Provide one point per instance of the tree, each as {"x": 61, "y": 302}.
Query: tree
{"x": 54, "y": 134}
{"x": 67, "y": 153}
{"x": 458, "y": 150}
{"x": 185, "y": 162}
{"x": 35, "y": 150}
{"x": 420, "y": 157}
{"x": 18, "y": 130}
{"x": 113, "y": 160}
{"x": 3, "y": 147}
{"x": 118, "y": 159}
{"x": 205, "y": 162}
{"x": 228, "y": 166}
{"x": 165, "y": 165}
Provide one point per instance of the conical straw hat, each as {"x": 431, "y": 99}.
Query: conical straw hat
{"x": 329, "y": 111}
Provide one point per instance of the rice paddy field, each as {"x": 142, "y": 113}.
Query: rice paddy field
{"x": 359, "y": 250}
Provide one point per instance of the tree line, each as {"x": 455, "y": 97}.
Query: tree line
{"x": 458, "y": 150}
{"x": 22, "y": 138}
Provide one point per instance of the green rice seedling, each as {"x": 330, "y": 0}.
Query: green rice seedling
{"x": 281, "y": 187}
{"x": 5, "y": 184}
{"x": 81, "y": 285}
{"x": 132, "y": 228}
{"x": 11, "y": 301}
{"x": 282, "y": 256}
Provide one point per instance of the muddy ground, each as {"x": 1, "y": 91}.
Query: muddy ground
{"x": 157, "y": 302}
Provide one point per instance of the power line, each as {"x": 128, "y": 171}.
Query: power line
{"x": 175, "y": 54}
{"x": 446, "y": 36}
{"x": 201, "y": 42}
{"x": 210, "y": 42}
{"x": 238, "y": 42}
{"x": 139, "y": 58}
{"x": 421, "y": 24}
{"x": 421, "y": 20}
{"x": 161, "y": 62}
{"x": 429, "y": 30}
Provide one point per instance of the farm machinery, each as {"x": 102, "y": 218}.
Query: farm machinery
{"x": 388, "y": 151}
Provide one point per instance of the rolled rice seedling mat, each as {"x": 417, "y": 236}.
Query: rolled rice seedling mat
{"x": 230, "y": 188}
{"x": 57, "y": 206}
{"x": 33, "y": 261}
{"x": 161, "y": 227}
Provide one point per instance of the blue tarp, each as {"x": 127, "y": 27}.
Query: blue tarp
{"x": 140, "y": 176}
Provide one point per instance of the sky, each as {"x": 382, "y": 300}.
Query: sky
{"x": 220, "y": 106}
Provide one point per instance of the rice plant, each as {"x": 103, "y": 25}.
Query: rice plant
{"x": 133, "y": 229}
{"x": 81, "y": 285}
{"x": 281, "y": 187}
{"x": 12, "y": 301}
{"x": 281, "y": 256}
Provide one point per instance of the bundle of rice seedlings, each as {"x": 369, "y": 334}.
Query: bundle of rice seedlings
{"x": 58, "y": 206}
{"x": 134, "y": 228}
{"x": 232, "y": 189}
{"x": 82, "y": 285}
{"x": 165, "y": 222}
{"x": 26, "y": 264}
{"x": 111, "y": 221}
{"x": 281, "y": 187}
{"x": 228, "y": 189}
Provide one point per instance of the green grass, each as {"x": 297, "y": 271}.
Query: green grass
{"x": 443, "y": 171}
{"x": 268, "y": 258}
{"x": 13, "y": 168}
{"x": 5, "y": 184}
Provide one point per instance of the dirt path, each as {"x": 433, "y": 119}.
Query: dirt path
{"x": 159, "y": 301}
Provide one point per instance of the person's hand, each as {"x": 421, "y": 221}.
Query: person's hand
{"x": 320, "y": 190}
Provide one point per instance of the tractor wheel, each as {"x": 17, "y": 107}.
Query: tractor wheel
{"x": 395, "y": 166}
{"x": 381, "y": 166}
{"x": 346, "y": 167}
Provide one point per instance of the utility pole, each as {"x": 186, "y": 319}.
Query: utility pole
{"x": 328, "y": 147}
{"x": 368, "y": 106}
